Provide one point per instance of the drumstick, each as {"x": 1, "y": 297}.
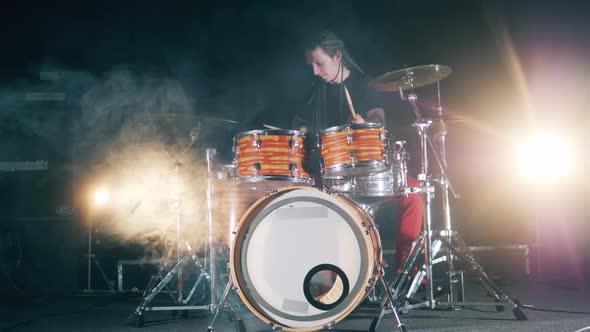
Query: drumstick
{"x": 349, "y": 102}
{"x": 270, "y": 127}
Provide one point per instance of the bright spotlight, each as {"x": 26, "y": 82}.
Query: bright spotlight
{"x": 544, "y": 158}
{"x": 101, "y": 197}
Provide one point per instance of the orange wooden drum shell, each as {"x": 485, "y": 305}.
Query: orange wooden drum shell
{"x": 367, "y": 144}
{"x": 274, "y": 155}
{"x": 229, "y": 204}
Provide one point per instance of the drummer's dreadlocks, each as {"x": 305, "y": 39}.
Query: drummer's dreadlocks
{"x": 330, "y": 43}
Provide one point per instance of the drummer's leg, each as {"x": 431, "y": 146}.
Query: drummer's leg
{"x": 410, "y": 222}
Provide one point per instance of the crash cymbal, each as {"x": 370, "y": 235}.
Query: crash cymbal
{"x": 412, "y": 77}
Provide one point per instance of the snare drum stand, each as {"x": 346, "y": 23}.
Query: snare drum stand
{"x": 430, "y": 241}
{"x": 162, "y": 279}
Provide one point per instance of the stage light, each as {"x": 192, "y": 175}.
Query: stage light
{"x": 101, "y": 196}
{"x": 544, "y": 158}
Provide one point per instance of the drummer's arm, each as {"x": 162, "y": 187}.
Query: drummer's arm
{"x": 374, "y": 115}
{"x": 299, "y": 123}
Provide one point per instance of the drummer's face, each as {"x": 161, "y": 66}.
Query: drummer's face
{"x": 324, "y": 66}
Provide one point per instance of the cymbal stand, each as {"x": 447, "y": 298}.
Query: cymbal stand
{"x": 430, "y": 241}
{"x": 440, "y": 133}
{"x": 162, "y": 279}
{"x": 389, "y": 302}
{"x": 210, "y": 154}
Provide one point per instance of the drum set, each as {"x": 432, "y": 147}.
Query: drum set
{"x": 302, "y": 258}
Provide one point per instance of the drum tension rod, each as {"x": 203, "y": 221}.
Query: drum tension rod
{"x": 294, "y": 169}
{"x": 352, "y": 155}
{"x": 256, "y": 169}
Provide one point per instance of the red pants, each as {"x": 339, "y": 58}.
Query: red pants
{"x": 410, "y": 222}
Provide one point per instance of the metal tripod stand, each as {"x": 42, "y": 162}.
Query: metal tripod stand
{"x": 170, "y": 271}
{"x": 91, "y": 258}
{"x": 389, "y": 305}
{"x": 431, "y": 242}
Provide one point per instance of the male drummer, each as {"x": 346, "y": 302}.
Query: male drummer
{"x": 341, "y": 87}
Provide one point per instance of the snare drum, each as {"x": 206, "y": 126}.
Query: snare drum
{"x": 303, "y": 259}
{"x": 353, "y": 149}
{"x": 270, "y": 159}
{"x": 389, "y": 183}
{"x": 374, "y": 185}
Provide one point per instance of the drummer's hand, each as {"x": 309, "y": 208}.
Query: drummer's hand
{"x": 357, "y": 119}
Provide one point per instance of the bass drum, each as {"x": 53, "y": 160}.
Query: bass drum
{"x": 229, "y": 202}
{"x": 303, "y": 259}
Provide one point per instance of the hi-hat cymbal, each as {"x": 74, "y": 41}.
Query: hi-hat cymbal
{"x": 453, "y": 121}
{"x": 412, "y": 77}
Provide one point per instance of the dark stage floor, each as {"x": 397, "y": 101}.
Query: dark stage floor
{"x": 555, "y": 309}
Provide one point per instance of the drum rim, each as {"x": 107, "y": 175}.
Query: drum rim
{"x": 374, "y": 242}
{"x": 367, "y": 125}
{"x": 282, "y": 178}
{"x": 268, "y": 132}
{"x": 286, "y": 181}
{"x": 373, "y": 166}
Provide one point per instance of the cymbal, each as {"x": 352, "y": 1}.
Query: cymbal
{"x": 456, "y": 120}
{"x": 197, "y": 117}
{"x": 412, "y": 77}
{"x": 270, "y": 127}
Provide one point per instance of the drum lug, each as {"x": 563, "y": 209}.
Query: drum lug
{"x": 294, "y": 169}
{"x": 352, "y": 155}
{"x": 320, "y": 143}
{"x": 400, "y": 151}
{"x": 234, "y": 147}
{"x": 368, "y": 228}
{"x": 329, "y": 326}
{"x": 256, "y": 168}
{"x": 370, "y": 284}
{"x": 275, "y": 327}
{"x": 293, "y": 143}
{"x": 270, "y": 193}
{"x": 256, "y": 142}
{"x": 348, "y": 135}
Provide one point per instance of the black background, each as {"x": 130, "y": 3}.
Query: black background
{"x": 239, "y": 59}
